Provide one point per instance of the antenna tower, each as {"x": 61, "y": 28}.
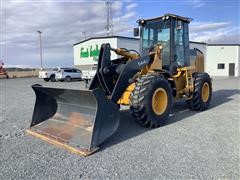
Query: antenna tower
{"x": 109, "y": 23}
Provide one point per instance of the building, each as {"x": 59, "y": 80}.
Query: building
{"x": 219, "y": 59}
{"x": 223, "y": 60}
{"x": 86, "y": 52}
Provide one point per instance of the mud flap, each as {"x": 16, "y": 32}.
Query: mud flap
{"x": 77, "y": 120}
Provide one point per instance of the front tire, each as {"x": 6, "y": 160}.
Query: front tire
{"x": 202, "y": 93}
{"x": 151, "y": 100}
{"x": 46, "y": 79}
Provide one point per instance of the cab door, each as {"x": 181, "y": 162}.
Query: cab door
{"x": 181, "y": 43}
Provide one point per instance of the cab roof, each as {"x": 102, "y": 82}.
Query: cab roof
{"x": 186, "y": 19}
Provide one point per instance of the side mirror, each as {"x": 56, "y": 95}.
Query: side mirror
{"x": 135, "y": 32}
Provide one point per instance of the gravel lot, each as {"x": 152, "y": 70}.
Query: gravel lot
{"x": 193, "y": 145}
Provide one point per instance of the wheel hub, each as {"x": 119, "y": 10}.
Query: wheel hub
{"x": 159, "y": 101}
{"x": 205, "y": 92}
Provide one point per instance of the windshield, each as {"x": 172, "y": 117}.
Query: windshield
{"x": 155, "y": 32}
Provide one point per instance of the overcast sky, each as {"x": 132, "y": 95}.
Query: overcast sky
{"x": 63, "y": 23}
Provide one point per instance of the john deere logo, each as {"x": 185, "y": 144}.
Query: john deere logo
{"x": 90, "y": 52}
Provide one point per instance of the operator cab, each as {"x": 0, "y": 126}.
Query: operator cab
{"x": 170, "y": 31}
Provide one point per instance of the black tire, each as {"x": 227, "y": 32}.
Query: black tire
{"x": 52, "y": 78}
{"x": 141, "y": 100}
{"x": 46, "y": 79}
{"x": 198, "y": 102}
{"x": 68, "y": 79}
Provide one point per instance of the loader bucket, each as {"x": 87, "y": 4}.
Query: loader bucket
{"x": 77, "y": 120}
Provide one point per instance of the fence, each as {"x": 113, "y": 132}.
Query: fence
{"x": 20, "y": 74}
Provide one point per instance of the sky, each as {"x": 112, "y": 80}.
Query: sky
{"x": 63, "y": 22}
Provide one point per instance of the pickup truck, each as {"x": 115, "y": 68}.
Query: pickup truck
{"x": 89, "y": 74}
{"x": 48, "y": 74}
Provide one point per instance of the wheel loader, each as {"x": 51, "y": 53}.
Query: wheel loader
{"x": 149, "y": 81}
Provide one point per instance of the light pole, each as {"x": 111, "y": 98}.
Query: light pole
{"x": 84, "y": 34}
{"x": 40, "y": 43}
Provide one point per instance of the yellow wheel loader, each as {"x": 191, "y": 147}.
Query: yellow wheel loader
{"x": 149, "y": 81}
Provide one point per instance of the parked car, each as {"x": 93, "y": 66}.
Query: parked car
{"x": 68, "y": 74}
{"x": 89, "y": 74}
{"x": 48, "y": 74}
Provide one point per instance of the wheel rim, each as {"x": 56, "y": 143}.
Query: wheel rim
{"x": 205, "y": 92}
{"x": 159, "y": 101}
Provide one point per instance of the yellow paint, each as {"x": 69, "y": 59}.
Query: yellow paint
{"x": 184, "y": 81}
{"x": 123, "y": 52}
{"x": 125, "y": 99}
{"x": 205, "y": 92}
{"x": 61, "y": 145}
{"x": 159, "y": 101}
{"x": 157, "y": 60}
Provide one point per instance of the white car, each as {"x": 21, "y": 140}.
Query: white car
{"x": 68, "y": 74}
{"x": 89, "y": 74}
{"x": 48, "y": 74}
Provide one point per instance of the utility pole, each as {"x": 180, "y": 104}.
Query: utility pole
{"x": 40, "y": 46}
{"x": 109, "y": 23}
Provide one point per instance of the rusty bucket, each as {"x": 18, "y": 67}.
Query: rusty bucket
{"x": 77, "y": 120}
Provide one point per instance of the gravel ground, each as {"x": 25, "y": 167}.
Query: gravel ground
{"x": 193, "y": 145}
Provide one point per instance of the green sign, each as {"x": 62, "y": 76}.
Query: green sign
{"x": 90, "y": 52}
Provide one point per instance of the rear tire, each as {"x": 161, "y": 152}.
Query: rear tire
{"x": 202, "y": 93}
{"x": 151, "y": 100}
{"x": 46, "y": 79}
{"x": 68, "y": 79}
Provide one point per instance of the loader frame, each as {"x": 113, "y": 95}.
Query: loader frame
{"x": 81, "y": 120}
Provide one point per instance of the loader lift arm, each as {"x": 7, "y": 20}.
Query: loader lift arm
{"x": 113, "y": 77}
